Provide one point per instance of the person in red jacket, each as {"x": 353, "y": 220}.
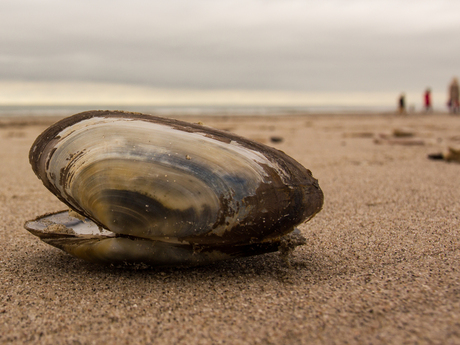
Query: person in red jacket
{"x": 427, "y": 99}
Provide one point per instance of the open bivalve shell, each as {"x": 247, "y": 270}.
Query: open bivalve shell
{"x": 146, "y": 189}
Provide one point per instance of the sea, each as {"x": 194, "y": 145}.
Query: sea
{"x": 206, "y": 110}
{"x": 27, "y": 98}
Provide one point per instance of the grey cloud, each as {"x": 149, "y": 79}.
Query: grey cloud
{"x": 298, "y": 45}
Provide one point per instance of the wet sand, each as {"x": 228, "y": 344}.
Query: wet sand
{"x": 381, "y": 264}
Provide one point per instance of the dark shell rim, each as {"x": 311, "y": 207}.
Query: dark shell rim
{"x": 216, "y": 134}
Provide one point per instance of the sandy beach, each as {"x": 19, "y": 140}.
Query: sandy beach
{"x": 381, "y": 264}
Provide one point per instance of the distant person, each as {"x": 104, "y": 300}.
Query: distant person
{"x": 402, "y": 103}
{"x": 427, "y": 100}
{"x": 454, "y": 96}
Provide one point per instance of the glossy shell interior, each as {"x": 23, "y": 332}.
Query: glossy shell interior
{"x": 86, "y": 240}
{"x": 167, "y": 181}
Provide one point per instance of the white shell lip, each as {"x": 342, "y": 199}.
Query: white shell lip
{"x": 84, "y": 239}
{"x": 170, "y": 181}
{"x": 62, "y": 223}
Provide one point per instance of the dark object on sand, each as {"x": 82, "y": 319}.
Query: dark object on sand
{"x": 451, "y": 155}
{"x": 403, "y": 133}
{"x": 276, "y": 139}
{"x": 436, "y": 156}
{"x": 152, "y": 190}
{"x": 358, "y": 135}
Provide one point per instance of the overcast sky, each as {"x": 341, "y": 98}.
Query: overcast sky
{"x": 328, "y": 45}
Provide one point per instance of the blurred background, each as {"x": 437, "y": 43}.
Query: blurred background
{"x": 202, "y": 55}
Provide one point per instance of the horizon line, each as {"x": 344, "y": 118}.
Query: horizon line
{"x": 46, "y": 93}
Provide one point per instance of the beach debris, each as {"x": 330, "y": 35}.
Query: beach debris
{"x": 452, "y": 154}
{"x": 403, "y": 133}
{"x": 276, "y": 139}
{"x": 393, "y": 140}
{"x": 399, "y": 136}
{"x": 161, "y": 192}
{"x": 358, "y": 135}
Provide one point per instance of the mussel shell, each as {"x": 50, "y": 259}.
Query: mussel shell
{"x": 172, "y": 181}
{"x": 82, "y": 238}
